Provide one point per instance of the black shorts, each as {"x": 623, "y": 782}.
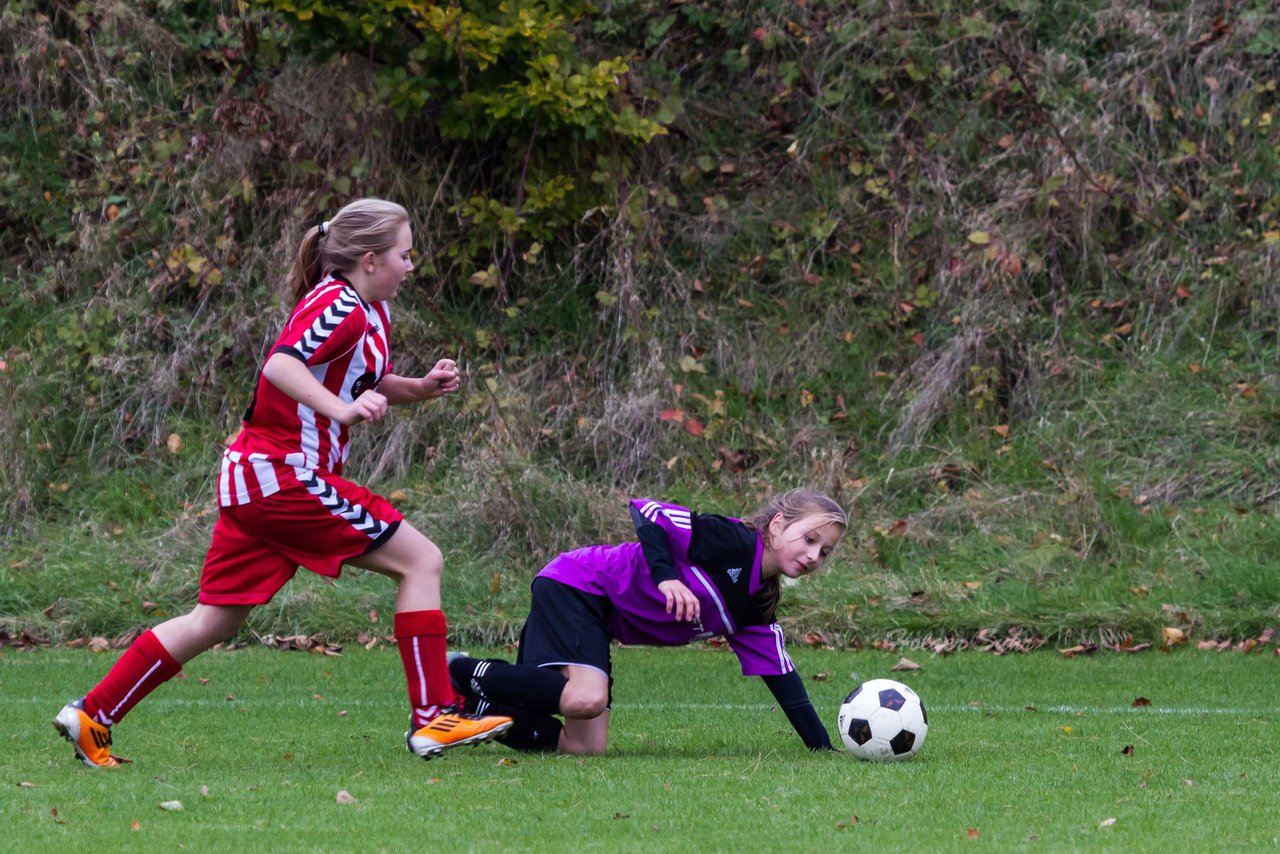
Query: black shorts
{"x": 566, "y": 626}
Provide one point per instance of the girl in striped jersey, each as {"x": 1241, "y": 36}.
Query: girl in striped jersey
{"x": 283, "y": 502}
{"x": 690, "y": 577}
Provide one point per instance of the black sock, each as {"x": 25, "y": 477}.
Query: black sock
{"x": 535, "y": 689}
{"x": 530, "y": 732}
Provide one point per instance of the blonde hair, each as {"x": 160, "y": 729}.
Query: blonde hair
{"x": 791, "y": 505}
{"x": 796, "y": 504}
{"x": 337, "y": 245}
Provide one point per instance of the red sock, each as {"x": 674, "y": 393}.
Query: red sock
{"x": 421, "y": 638}
{"x": 145, "y": 666}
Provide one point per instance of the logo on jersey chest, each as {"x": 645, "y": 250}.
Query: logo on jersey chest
{"x": 366, "y": 381}
{"x": 734, "y": 572}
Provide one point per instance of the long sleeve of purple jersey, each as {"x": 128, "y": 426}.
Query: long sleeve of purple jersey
{"x": 658, "y": 527}
{"x": 788, "y": 690}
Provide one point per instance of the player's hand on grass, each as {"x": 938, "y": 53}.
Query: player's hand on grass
{"x": 680, "y": 600}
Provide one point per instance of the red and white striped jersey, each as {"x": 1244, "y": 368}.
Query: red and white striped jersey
{"x": 343, "y": 341}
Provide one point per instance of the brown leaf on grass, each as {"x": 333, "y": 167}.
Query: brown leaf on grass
{"x": 125, "y": 639}
{"x": 736, "y": 459}
{"x": 1173, "y": 636}
{"x": 1139, "y": 702}
{"x": 816, "y": 639}
{"x": 505, "y": 761}
{"x": 26, "y": 785}
{"x": 133, "y": 825}
{"x": 1267, "y": 635}
{"x": 344, "y": 797}
{"x": 1106, "y": 822}
{"x": 820, "y": 677}
{"x": 99, "y": 644}
{"x": 170, "y": 806}
{"x": 1078, "y": 649}
{"x": 1206, "y": 644}
{"x": 54, "y": 812}
{"x": 1128, "y": 750}
{"x": 905, "y": 664}
{"x": 974, "y": 833}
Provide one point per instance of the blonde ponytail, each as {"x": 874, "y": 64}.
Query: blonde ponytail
{"x": 338, "y": 244}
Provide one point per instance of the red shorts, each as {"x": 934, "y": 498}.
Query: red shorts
{"x": 317, "y": 523}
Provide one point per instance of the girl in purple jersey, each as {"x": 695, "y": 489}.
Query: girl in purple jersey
{"x": 689, "y": 577}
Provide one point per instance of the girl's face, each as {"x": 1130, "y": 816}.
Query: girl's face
{"x": 385, "y": 273}
{"x": 798, "y": 548}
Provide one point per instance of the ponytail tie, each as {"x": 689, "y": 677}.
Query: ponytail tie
{"x": 323, "y": 228}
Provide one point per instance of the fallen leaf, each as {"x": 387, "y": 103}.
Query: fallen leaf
{"x": 171, "y": 806}
{"x": 1140, "y": 701}
{"x": 204, "y": 791}
{"x": 816, "y": 639}
{"x": 133, "y": 825}
{"x": 1172, "y": 636}
{"x": 974, "y": 833}
{"x": 1128, "y": 750}
{"x": 1078, "y": 649}
{"x": 25, "y": 785}
{"x": 504, "y": 761}
{"x": 99, "y": 645}
{"x": 1106, "y": 822}
{"x": 173, "y": 443}
{"x": 905, "y": 664}
{"x": 344, "y": 797}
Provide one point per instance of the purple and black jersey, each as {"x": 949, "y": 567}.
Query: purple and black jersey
{"x": 716, "y": 557}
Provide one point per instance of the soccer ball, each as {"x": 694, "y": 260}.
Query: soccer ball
{"x": 883, "y": 720}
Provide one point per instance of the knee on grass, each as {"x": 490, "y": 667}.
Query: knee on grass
{"x": 580, "y": 703}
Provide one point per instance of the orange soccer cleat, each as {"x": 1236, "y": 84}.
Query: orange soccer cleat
{"x": 453, "y": 728}
{"x": 91, "y": 739}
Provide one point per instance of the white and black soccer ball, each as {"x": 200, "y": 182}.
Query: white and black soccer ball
{"x": 883, "y": 720}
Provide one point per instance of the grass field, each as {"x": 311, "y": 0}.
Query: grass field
{"x": 1025, "y": 752}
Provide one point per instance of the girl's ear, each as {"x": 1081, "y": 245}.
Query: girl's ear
{"x": 773, "y": 530}
{"x": 369, "y": 261}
